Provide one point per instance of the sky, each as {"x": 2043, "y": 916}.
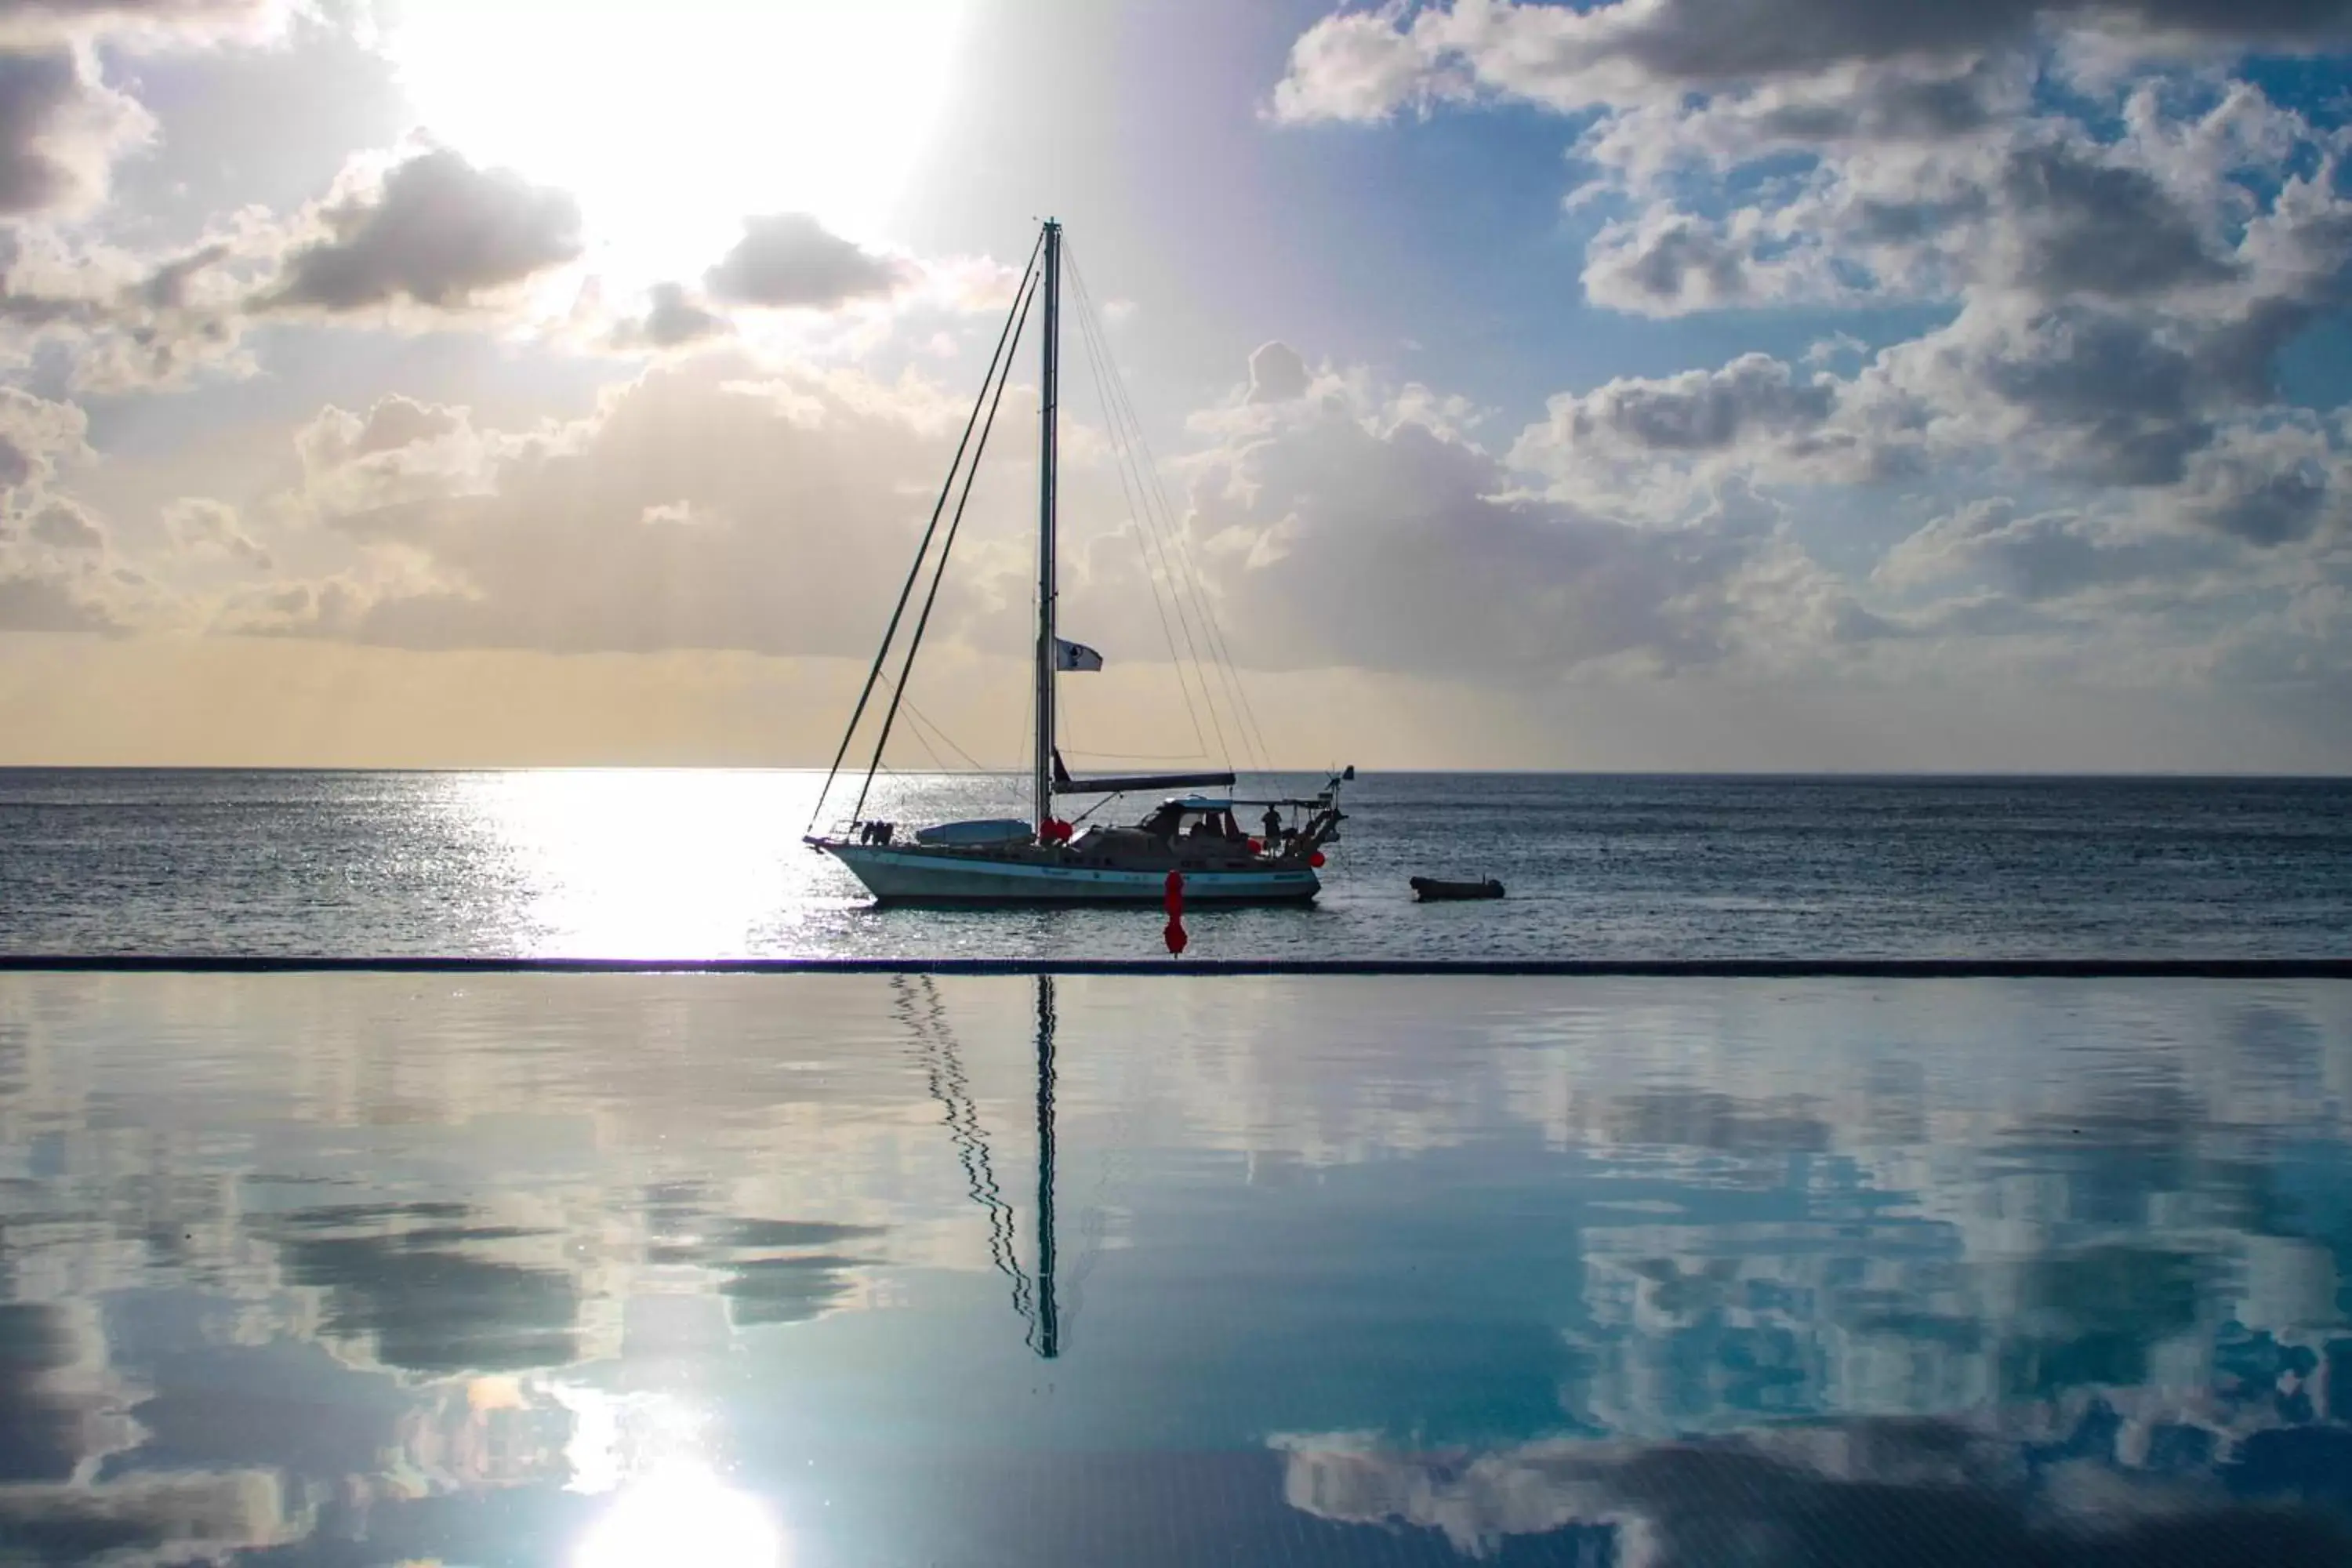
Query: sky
{"x": 1633, "y": 384}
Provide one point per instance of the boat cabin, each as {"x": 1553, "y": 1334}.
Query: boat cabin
{"x": 1193, "y": 817}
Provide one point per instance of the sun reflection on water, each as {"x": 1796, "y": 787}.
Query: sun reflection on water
{"x": 667, "y": 1505}
{"x": 645, "y": 863}
{"x": 682, "y": 1514}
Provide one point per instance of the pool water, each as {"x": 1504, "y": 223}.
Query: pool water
{"x": 864, "y": 1269}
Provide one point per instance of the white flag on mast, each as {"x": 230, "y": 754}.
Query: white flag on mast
{"x": 1068, "y": 655}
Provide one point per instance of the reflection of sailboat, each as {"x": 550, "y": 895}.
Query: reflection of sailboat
{"x": 1033, "y": 1297}
{"x": 1045, "y": 861}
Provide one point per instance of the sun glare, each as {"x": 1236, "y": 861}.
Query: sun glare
{"x": 678, "y": 1516}
{"x": 672, "y": 121}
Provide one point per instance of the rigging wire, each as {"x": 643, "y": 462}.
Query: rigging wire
{"x": 1228, "y": 671}
{"x": 955, "y": 525}
{"x": 1144, "y": 540}
{"x": 1230, "y": 675}
{"x": 998, "y": 362}
{"x": 1147, "y": 528}
{"x": 939, "y": 734}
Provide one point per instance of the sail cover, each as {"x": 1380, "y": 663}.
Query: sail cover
{"x": 1065, "y": 785}
{"x": 1068, "y": 655}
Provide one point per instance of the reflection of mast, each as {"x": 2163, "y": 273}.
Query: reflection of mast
{"x": 1047, "y": 1340}
{"x": 944, "y": 1070}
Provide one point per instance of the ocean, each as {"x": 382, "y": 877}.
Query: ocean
{"x": 708, "y": 863}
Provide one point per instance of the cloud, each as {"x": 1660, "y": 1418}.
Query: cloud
{"x": 705, "y": 505}
{"x": 790, "y": 261}
{"x": 1669, "y": 263}
{"x": 64, "y": 525}
{"x": 674, "y": 317}
{"x": 202, "y": 526}
{"x": 2042, "y": 557}
{"x": 137, "y": 22}
{"x": 1361, "y": 66}
{"x": 434, "y": 231}
{"x": 128, "y": 322}
{"x": 34, "y": 599}
{"x": 1352, "y": 528}
{"x": 1276, "y": 373}
{"x": 1755, "y": 397}
{"x": 35, "y": 435}
{"x": 61, "y": 131}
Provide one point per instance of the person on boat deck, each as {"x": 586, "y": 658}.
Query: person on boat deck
{"x": 1273, "y": 824}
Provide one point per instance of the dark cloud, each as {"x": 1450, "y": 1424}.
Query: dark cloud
{"x": 438, "y": 232}
{"x": 1667, "y": 263}
{"x": 40, "y": 601}
{"x": 789, "y": 260}
{"x": 63, "y": 525}
{"x": 2104, "y": 395}
{"x": 58, "y": 131}
{"x": 1361, "y": 65}
{"x": 673, "y": 319}
{"x": 1703, "y": 41}
{"x": 15, "y": 464}
{"x": 2090, "y": 227}
{"x": 1276, "y": 373}
{"x": 2266, "y": 489}
{"x": 1700, "y": 411}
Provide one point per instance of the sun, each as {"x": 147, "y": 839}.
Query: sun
{"x": 671, "y": 120}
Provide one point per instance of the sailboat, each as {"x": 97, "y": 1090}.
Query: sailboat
{"x": 1194, "y": 840}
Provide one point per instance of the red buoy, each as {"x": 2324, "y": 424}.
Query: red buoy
{"x": 1315, "y": 859}
{"x": 1174, "y": 934}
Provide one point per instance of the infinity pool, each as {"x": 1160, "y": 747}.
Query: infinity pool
{"x": 707, "y": 1271}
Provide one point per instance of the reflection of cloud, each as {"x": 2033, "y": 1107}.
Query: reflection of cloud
{"x": 62, "y": 1407}
{"x": 424, "y": 1297}
{"x": 154, "y": 1519}
{"x": 776, "y": 1270}
{"x": 1899, "y": 1494}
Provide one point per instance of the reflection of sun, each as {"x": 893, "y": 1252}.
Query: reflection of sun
{"x": 672, "y": 120}
{"x": 681, "y": 1515}
{"x": 668, "y": 1508}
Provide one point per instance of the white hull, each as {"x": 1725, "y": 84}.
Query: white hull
{"x": 908, "y": 875}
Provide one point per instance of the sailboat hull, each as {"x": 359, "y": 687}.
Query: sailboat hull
{"x": 914, "y": 874}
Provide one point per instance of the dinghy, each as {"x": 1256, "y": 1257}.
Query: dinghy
{"x": 1433, "y": 891}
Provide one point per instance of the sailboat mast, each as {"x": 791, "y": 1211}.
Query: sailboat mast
{"x": 1050, "y": 399}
